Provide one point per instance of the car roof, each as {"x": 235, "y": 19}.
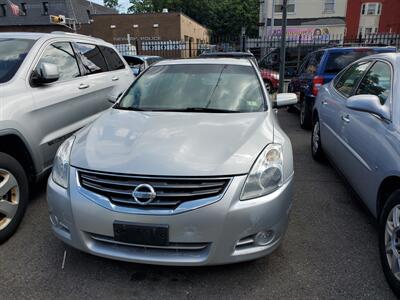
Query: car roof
{"x": 227, "y": 54}
{"x": 341, "y": 49}
{"x": 393, "y": 57}
{"x": 141, "y": 56}
{"x": 206, "y": 61}
{"x": 54, "y": 34}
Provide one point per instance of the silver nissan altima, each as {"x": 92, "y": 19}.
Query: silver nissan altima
{"x": 189, "y": 167}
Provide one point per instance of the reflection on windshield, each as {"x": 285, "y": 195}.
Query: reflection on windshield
{"x": 12, "y": 54}
{"x": 197, "y": 88}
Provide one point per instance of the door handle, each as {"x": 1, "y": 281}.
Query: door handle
{"x": 115, "y": 78}
{"x": 83, "y": 86}
{"x": 346, "y": 118}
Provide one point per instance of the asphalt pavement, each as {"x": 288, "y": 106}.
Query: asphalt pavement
{"x": 330, "y": 251}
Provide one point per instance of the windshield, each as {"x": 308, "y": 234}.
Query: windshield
{"x": 12, "y": 54}
{"x": 197, "y": 87}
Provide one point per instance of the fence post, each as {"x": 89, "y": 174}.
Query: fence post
{"x": 137, "y": 46}
{"x": 243, "y": 43}
{"x": 190, "y": 47}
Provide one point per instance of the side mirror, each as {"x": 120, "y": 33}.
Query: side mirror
{"x": 45, "y": 73}
{"x": 136, "y": 71}
{"x": 370, "y": 104}
{"x": 285, "y": 99}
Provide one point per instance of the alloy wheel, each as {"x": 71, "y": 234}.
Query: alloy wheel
{"x": 392, "y": 241}
{"x": 9, "y": 198}
{"x": 315, "y": 138}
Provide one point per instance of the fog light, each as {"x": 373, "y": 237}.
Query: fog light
{"x": 264, "y": 237}
{"x": 54, "y": 220}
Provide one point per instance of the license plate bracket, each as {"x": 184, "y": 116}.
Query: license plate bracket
{"x": 141, "y": 234}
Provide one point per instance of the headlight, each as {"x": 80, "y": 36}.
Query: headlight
{"x": 60, "y": 172}
{"x": 266, "y": 175}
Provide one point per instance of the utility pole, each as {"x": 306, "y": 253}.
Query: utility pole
{"x": 271, "y": 28}
{"x": 283, "y": 48}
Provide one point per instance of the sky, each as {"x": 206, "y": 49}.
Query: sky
{"x": 124, "y": 4}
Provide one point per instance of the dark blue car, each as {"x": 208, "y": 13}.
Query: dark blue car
{"x": 321, "y": 67}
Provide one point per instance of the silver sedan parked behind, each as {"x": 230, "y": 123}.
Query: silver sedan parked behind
{"x": 356, "y": 123}
{"x": 189, "y": 168}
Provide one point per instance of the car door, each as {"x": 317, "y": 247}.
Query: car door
{"x": 96, "y": 80}
{"x": 57, "y": 105}
{"x": 332, "y": 111}
{"x": 120, "y": 75}
{"x": 366, "y": 135}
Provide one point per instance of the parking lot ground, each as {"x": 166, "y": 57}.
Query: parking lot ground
{"x": 330, "y": 251}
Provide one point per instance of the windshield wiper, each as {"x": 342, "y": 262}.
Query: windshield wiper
{"x": 128, "y": 108}
{"x": 200, "y": 109}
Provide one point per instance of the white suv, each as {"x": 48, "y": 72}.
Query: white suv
{"x": 51, "y": 85}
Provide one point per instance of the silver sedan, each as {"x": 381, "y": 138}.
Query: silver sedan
{"x": 189, "y": 167}
{"x": 356, "y": 123}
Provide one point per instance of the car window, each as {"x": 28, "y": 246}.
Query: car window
{"x": 313, "y": 63}
{"x": 303, "y": 65}
{"x": 62, "y": 55}
{"x": 377, "y": 82}
{"x": 208, "y": 86}
{"x": 337, "y": 61}
{"x": 113, "y": 60}
{"x": 349, "y": 79}
{"x": 92, "y": 59}
{"x": 12, "y": 54}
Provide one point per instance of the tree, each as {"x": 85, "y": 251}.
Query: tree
{"x": 111, "y": 3}
{"x": 223, "y": 17}
{"x": 141, "y": 6}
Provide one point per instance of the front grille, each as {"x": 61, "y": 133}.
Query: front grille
{"x": 170, "y": 192}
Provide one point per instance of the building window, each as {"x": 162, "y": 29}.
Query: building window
{"x": 329, "y": 6}
{"x": 3, "y": 11}
{"x": 23, "y": 9}
{"x": 45, "y": 8}
{"x": 372, "y": 9}
{"x": 290, "y": 6}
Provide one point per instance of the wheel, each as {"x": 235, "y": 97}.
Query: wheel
{"x": 305, "y": 115}
{"x": 14, "y": 191}
{"x": 389, "y": 241}
{"x": 316, "y": 145}
{"x": 268, "y": 86}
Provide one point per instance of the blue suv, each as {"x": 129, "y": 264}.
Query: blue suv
{"x": 321, "y": 67}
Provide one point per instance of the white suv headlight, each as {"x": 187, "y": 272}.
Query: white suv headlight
{"x": 60, "y": 173}
{"x": 266, "y": 175}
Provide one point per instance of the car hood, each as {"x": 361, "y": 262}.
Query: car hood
{"x": 172, "y": 143}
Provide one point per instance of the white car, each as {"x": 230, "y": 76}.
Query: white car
{"x": 51, "y": 85}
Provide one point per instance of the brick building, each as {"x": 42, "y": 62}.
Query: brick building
{"x": 119, "y": 28}
{"x": 35, "y": 14}
{"x": 366, "y": 17}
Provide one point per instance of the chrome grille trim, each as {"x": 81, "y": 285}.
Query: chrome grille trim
{"x": 171, "y": 246}
{"x": 171, "y": 191}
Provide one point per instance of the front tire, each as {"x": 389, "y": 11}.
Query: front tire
{"x": 305, "y": 115}
{"x": 14, "y": 191}
{"x": 316, "y": 145}
{"x": 389, "y": 241}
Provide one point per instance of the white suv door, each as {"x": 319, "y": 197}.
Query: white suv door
{"x": 120, "y": 74}
{"x": 61, "y": 107}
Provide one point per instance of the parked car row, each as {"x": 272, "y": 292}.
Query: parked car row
{"x": 189, "y": 166}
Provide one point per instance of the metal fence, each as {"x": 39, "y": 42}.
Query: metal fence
{"x": 265, "y": 50}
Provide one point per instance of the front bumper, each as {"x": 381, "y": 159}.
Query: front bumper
{"x": 220, "y": 233}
